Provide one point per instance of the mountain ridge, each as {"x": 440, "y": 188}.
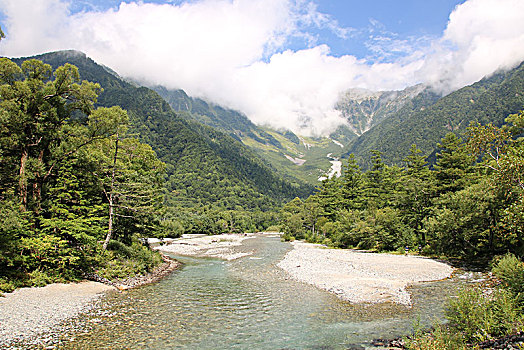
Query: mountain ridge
{"x": 203, "y": 164}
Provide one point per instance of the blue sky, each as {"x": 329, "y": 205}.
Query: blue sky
{"x": 283, "y": 63}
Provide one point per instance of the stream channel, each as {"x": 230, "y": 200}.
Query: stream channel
{"x": 248, "y": 303}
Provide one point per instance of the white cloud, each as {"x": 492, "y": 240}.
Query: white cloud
{"x": 482, "y": 36}
{"x": 233, "y": 51}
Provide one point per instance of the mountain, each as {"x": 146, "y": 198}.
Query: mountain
{"x": 363, "y": 109}
{"x": 296, "y": 157}
{"x": 427, "y": 118}
{"x": 204, "y": 165}
{"x": 306, "y": 158}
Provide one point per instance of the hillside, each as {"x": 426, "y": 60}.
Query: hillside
{"x": 204, "y": 166}
{"x": 298, "y": 157}
{"x": 364, "y": 109}
{"x": 295, "y": 157}
{"x": 426, "y": 119}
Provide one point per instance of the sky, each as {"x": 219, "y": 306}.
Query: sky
{"x": 283, "y": 63}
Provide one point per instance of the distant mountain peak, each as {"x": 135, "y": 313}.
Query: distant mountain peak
{"x": 364, "y": 108}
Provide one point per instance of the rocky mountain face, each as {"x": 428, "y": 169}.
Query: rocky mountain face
{"x": 295, "y": 156}
{"x": 427, "y": 118}
{"x": 363, "y": 109}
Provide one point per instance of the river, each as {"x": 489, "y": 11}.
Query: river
{"x": 247, "y": 303}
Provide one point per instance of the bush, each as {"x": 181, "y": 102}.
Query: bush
{"x": 273, "y": 228}
{"x": 439, "y": 339}
{"x": 121, "y": 261}
{"x": 51, "y": 254}
{"x": 510, "y": 270}
{"x": 481, "y": 315}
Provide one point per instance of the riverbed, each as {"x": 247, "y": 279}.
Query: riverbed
{"x": 246, "y": 303}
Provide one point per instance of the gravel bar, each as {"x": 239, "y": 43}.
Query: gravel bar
{"x": 361, "y": 277}
{"x": 218, "y": 246}
{"x": 27, "y": 313}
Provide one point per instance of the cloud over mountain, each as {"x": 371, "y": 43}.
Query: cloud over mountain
{"x": 235, "y": 52}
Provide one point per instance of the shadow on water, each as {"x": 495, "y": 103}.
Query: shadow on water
{"x": 248, "y": 303}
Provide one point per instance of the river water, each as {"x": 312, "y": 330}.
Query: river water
{"x": 248, "y": 303}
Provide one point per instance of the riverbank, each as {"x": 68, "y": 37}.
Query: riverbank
{"x": 28, "y": 313}
{"x": 360, "y": 277}
{"x": 32, "y": 317}
{"x": 219, "y": 246}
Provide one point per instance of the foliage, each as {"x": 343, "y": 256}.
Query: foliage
{"x": 481, "y": 315}
{"x": 461, "y": 208}
{"x": 428, "y": 118}
{"x": 122, "y": 261}
{"x": 510, "y": 270}
{"x": 203, "y": 165}
{"x": 441, "y": 338}
{"x": 481, "y": 312}
{"x": 52, "y": 196}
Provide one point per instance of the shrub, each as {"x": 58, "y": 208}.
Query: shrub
{"x": 510, "y": 270}
{"x": 273, "y": 228}
{"x": 440, "y": 338}
{"x": 480, "y": 315}
{"x": 121, "y": 261}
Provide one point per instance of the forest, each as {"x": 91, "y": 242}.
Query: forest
{"x": 80, "y": 184}
{"x": 467, "y": 205}
{"x": 77, "y": 189}
{"x": 467, "y": 208}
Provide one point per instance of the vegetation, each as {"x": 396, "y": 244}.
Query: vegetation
{"x": 204, "y": 166}
{"x": 427, "y": 118}
{"x": 468, "y": 206}
{"x": 82, "y": 179}
{"x": 68, "y": 172}
{"x": 460, "y": 208}
{"x": 481, "y": 313}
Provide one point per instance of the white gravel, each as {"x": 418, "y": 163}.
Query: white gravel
{"x": 28, "y": 312}
{"x": 361, "y": 277}
{"x": 218, "y": 246}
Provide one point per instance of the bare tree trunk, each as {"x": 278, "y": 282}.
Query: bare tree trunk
{"x": 22, "y": 182}
{"x": 37, "y": 186}
{"x": 111, "y": 198}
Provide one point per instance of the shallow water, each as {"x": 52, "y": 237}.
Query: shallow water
{"x": 248, "y": 303}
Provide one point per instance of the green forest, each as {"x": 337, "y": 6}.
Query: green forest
{"x": 88, "y": 168}
{"x": 460, "y": 207}
{"x": 77, "y": 188}
{"x": 468, "y": 209}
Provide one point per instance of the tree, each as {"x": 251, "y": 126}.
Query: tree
{"x": 454, "y": 166}
{"x": 131, "y": 176}
{"x": 329, "y": 196}
{"x": 352, "y": 184}
{"x": 37, "y": 107}
{"x": 312, "y": 212}
{"x": 415, "y": 192}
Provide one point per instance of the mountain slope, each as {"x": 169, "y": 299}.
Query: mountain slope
{"x": 363, "y": 109}
{"x": 204, "y": 166}
{"x": 424, "y": 121}
{"x": 296, "y": 157}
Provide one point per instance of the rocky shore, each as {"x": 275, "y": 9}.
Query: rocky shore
{"x": 220, "y": 246}
{"x": 33, "y": 317}
{"x": 28, "y": 313}
{"x": 361, "y": 277}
